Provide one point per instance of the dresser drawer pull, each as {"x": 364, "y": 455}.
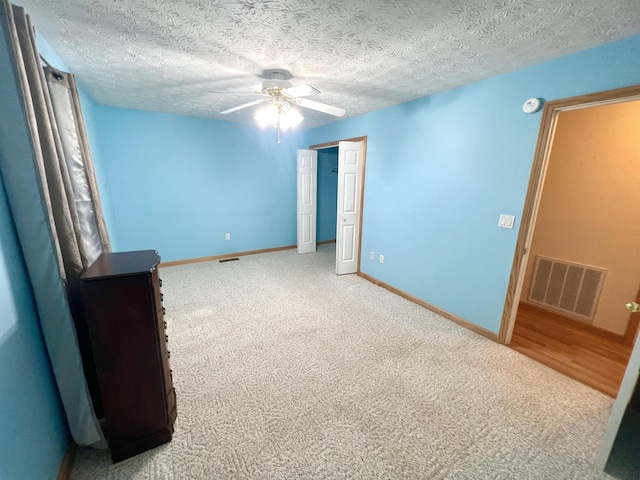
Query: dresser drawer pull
{"x": 165, "y": 324}
{"x": 166, "y": 338}
{"x": 161, "y": 297}
{"x": 168, "y": 354}
{"x": 160, "y": 281}
{"x": 163, "y": 310}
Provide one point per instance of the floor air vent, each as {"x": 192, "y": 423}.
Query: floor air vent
{"x": 229, "y": 260}
{"x": 570, "y": 288}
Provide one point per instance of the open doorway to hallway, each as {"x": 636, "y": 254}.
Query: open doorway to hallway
{"x": 583, "y": 264}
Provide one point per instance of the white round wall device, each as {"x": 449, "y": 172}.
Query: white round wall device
{"x": 532, "y": 105}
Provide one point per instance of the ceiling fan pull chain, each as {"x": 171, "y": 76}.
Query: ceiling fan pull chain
{"x": 278, "y": 129}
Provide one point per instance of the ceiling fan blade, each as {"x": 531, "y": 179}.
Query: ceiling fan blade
{"x": 301, "y": 91}
{"x": 245, "y": 105}
{"x": 321, "y": 107}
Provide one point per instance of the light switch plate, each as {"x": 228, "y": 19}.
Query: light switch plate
{"x": 506, "y": 221}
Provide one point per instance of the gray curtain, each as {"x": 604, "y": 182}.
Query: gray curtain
{"x": 47, "y": 170}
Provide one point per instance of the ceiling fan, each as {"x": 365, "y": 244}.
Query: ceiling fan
{"x": 283, "y": 96}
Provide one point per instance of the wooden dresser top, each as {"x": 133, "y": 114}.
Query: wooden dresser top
{"x": 122, "y": 264}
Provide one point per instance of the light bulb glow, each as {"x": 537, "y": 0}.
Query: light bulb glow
{"x": 267, "y": 116}
{"x": 290, "y": 119}
{"x": 271, "y": 114}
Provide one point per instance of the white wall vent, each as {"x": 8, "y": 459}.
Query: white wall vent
{"x": 569, "y": 288}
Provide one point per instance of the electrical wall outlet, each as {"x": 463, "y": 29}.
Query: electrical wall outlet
{"x": 372, "y": 256}
{"x": 381, "y": 258}
{"x": 227, "y": 236}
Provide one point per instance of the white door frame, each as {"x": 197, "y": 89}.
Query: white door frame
{"x": 336, "y": 143}
{"x": 534, "y": 193}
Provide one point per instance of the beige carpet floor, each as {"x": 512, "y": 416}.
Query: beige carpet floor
{"x": 284, "y": 370}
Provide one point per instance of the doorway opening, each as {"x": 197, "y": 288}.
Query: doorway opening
{"x": 574, "y": 213}
{"x": 330, "y": 199}
{"x": 327, "y": 213}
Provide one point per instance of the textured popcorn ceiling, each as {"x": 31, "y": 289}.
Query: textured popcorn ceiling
{"x": 166, "y": 55}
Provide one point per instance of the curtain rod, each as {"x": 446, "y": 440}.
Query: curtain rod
{"x": 56, "y": 73}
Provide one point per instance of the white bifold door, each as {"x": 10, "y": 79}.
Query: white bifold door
{"x": 307, "y": 195}
{"x": 350, "y": 160}
{"x": 350, "y": 172}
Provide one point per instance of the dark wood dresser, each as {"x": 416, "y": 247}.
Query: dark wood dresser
{"x": 123, "y": 305}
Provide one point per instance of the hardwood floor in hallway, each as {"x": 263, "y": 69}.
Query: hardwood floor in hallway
{"x": 559, "y": 343}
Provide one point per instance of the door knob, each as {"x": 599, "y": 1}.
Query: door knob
{"x": 633, "y": 307}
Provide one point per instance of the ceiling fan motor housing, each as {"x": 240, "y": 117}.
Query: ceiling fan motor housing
{"x": 274, "y": 87}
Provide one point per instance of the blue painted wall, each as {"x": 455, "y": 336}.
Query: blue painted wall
{"x": 441, "y": 169}
{"x": 178, "y": 184}
{"x": 33, "y": 435}
{"x": 327, "y": 194}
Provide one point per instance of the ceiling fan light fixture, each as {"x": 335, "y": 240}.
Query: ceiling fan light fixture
{"x": 275, "y": 115}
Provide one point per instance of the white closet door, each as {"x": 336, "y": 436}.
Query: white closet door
{"x": 307, "y": 198}
{"x": 350, "y": 160}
